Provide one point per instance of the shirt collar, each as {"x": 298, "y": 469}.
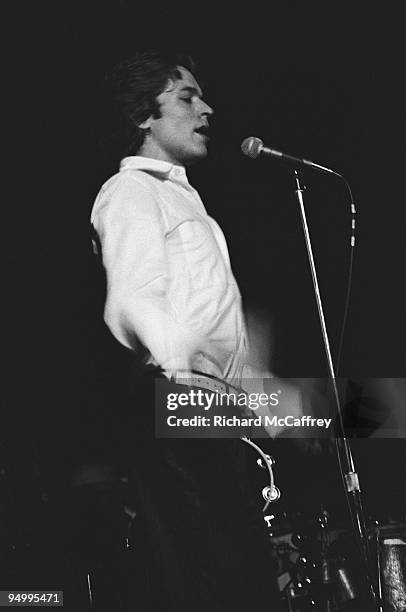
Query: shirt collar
{"x": 155, "y": 166}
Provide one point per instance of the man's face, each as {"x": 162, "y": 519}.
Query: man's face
{"x": 178, "y": 135}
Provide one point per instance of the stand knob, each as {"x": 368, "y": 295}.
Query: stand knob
{"x": 271, "y": 494}
{"x": 269, "y": 460}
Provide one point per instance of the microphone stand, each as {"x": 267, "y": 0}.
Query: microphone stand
{"x": 344, "y": 455}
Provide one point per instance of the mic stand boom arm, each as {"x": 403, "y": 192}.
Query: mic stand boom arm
{"x": 344, "y": 455}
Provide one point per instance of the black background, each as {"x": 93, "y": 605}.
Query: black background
{"x": 316, "y": 80}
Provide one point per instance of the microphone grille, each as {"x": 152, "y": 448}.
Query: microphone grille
{"x": 252, "y": 146}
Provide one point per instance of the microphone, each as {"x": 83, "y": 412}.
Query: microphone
{"x": 254, "y": 147}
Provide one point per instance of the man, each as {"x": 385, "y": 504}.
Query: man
{"x": 173, "y": 300}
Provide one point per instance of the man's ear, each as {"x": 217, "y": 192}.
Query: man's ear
{"x": 145, "y": 125}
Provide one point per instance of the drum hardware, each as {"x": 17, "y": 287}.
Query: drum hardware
{"x": 318, "y": 567}
{"x": 270, "y": 493}
{"x": 315, "y": 572}
{"x": 390, "y": 556}
{"x": 345, "y": 587}
{"x": 268, "y": 519}
{"x": 315, "y": 576}
{"x": 269, "y": 460}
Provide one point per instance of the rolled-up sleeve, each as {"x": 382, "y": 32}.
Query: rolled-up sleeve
{"x": 129, "y": 221}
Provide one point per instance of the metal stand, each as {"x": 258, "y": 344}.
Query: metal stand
{"x": 344, "y": 455}
{"x": 90, "y": 591}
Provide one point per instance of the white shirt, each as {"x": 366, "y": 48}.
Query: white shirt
{"x": 170, "y": 285}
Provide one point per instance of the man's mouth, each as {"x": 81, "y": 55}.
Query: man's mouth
{"x": 203, "y": 131}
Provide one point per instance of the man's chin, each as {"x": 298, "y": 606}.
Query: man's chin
{"x": 195, "y": 156}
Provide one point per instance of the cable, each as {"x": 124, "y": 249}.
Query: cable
{"x": 349, "y": 282}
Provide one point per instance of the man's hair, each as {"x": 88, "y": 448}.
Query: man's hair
{"x": 134, "y": 85}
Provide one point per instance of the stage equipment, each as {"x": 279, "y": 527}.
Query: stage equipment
{"x": 317, "y": 570}
{"x": 270, "y": 493}
{"x": 389, "y": 541}
{"x": 346, "y": 462}
{"x": 253, "y": 147}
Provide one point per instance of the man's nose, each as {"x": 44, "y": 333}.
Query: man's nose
{"x": 206, "y": 110}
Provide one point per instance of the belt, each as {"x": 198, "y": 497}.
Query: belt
{"x": 205, "y": 381}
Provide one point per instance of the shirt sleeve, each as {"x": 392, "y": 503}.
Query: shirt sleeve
{"x": 131, "y": 228}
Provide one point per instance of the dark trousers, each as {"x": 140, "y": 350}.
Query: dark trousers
{"x": 201, "y": 542}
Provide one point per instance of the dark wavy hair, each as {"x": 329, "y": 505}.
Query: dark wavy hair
{"x": 133, "y": 86}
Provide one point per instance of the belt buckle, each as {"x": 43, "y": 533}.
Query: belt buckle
{"x": 205, "y": 381}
